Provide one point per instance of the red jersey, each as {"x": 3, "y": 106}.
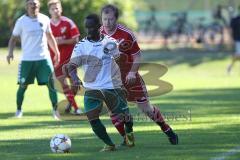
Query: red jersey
{"x": 128, "y": 46}
{"x": 65, "y": 29}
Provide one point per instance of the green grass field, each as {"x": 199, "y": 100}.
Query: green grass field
{"x": 203, "y": 109}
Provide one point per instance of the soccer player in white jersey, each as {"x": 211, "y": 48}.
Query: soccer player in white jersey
{"x": 102, "y": 80}
{"x": 33, "y": 29}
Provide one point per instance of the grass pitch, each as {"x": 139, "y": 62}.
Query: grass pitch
{"x": 203, "y": 109}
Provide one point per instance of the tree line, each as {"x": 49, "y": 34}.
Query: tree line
{"x": 74, "y": 9}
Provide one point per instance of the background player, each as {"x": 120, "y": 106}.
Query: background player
{"x": 235, "y": 31}
{"x": 129, "y": 64}
{"x": 67, "y": 35}
{"x": 35, "y": 33}
{"x": 102, "y": 81}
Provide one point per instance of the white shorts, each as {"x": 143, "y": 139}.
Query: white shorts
{"x": 237, "y": 48}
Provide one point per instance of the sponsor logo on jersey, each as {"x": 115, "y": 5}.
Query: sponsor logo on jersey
{"x": 63, "y": 29}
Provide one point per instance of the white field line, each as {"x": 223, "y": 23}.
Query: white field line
{"x": 87, "y": 137}
{"x": 227, "y": 154}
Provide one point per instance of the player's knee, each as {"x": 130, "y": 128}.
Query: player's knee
{"x": 23, "y": 86}
{"x": 142, "y": 100}
{"x": 117, "y": 119}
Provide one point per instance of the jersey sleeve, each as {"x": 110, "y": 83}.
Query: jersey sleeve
{"x": 17, "y": 30}
{"x": 74, "y": 32}
{"x": 76, "y": 54}
{"x": 129, "y": 46}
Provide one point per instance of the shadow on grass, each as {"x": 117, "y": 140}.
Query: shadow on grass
{"x": 210, "y": 101}
{"x": 195, "y": 144}
{"x": 192, "y": 58}
{"x": 204, "y": 142}
{"x": 175, "y": 107}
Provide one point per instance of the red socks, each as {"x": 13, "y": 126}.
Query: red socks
{"x": 118, "y": 123}
{"x": 158, "y": 118}
{"x": 70, "y": 97}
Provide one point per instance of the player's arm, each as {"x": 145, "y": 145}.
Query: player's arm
{"x": 11, "y": 45}
{"x": 53, "y": 45}
{"x": 131, "y": 77}
{"x": 131, "y": 47}
{"x": 74, "y": 32}
{"x": 230, "y": 31}
{"x": 71, "y": 68}
{"x": 61, "y": 41}
{"x": 136, "y": 63}
{"x": 72, "y": 73}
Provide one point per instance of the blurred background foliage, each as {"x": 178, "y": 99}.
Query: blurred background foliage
{"x": 134, "y": 13}
{"x": 74, "y": 9}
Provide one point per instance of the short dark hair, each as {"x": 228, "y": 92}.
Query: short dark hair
{"x": 94, "y": 17}
{"x": 110, "y": 8}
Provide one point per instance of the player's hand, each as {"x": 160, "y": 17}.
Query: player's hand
{"x": 130, "y": 78}
{"x": 9, "y": 57}
{"x": 56, "y": 60}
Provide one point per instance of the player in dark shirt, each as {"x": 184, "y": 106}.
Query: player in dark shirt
{"x": 235, "y": 31}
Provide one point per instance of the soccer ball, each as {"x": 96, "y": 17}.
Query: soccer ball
{"x": 60, "y": 143}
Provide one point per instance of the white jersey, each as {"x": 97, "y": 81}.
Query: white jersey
{"x": 100, "y": 69}
{"x": 32, "y": 32}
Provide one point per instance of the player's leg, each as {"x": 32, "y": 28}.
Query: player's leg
{"x": 44, "y": 77}
{"x": 235, "y": 57}
{"x": 229, "y": 68}
{"x": 93, "y": 106}
{"x": 121, "y": 118}
{"x": 154, "y": 113}
{"x": 119, "y": 123}
{"x": 20, "y": 96}
{"x": 26, "y": 76}
{"x": 117, "y": 118}
{"x": 138, "y": 94}
{"x": 69, "y": 94}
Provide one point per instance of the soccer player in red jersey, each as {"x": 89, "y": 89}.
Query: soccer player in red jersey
{"x": 67, "y": 35}
{"x": 129, "y": 64}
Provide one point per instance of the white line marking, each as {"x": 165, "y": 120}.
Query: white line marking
{"x": 229, "y": 153}
{"x": 87, "y": 138}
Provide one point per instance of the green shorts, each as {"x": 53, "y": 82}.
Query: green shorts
{"x": 40, "y": 69}
{"x": 115, "y": 100}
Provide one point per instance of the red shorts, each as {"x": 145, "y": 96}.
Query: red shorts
{"x": 136, "y": 92}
